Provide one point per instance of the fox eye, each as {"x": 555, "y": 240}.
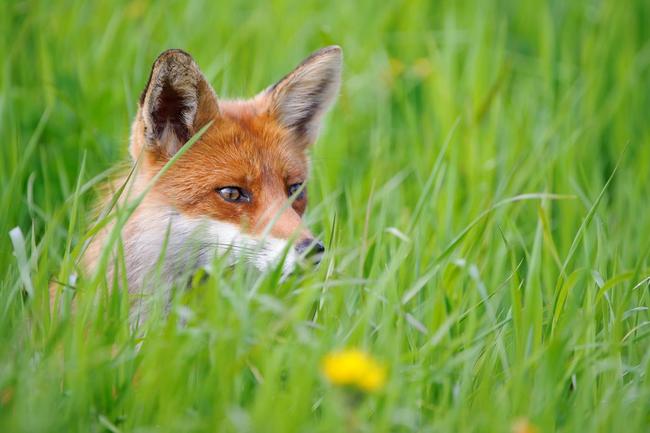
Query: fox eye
{"x": 234, "y": 194}
{"x": 293, "y": 189}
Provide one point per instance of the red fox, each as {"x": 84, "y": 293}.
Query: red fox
{"x": 239, "y": 188}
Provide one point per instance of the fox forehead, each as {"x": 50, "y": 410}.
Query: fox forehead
{"x": 236, "y": 152}
{"x": 241, "y": 148}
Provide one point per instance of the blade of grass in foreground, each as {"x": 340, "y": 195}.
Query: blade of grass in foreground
{"x": 485, "y": 213}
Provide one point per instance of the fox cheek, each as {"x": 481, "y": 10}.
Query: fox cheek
{"x": 176, "y": 102}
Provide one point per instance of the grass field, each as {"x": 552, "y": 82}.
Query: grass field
{"x": 482, "y": 186}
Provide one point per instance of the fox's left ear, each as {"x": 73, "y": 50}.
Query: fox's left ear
{"x": 176, "y": 102}
{"x": 300, "y": 99}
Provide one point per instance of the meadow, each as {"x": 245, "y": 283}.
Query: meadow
{"x": 482, "y": 188}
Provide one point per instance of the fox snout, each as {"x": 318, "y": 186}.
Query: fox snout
{"x": 310, "y": 249}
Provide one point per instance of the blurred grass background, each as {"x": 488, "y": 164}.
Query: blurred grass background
{"x": 482, "y": 185}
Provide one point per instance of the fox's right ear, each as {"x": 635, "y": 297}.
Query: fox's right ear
{"x": 176, "y": 102}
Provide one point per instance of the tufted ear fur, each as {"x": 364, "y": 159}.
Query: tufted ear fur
{"x": 300, "y": 99}
{"x": 176, "y": 102}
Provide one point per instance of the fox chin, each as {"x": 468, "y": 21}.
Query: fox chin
{"x": 240, "y": 188}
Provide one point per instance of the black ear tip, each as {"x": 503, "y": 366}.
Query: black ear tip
{"x": 332, "y": 51}
{"x": 175, "y": 54}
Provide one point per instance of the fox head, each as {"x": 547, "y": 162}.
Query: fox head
{"x": 242, "y": 185}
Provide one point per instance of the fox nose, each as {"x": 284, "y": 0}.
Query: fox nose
{"x": 311, "y": 249}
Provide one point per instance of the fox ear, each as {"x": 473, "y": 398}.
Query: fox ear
{"x": 300, "y": 99}
{"x": 176, "y": 102}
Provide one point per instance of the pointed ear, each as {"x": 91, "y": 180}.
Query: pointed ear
{"x": 300, "y": 99}
{"x": 176, "y": 102}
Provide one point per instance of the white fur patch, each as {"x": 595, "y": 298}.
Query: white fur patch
{"x": 194, "y": 242}
{"x": 191, "y": 243}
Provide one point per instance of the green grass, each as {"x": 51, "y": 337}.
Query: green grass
{"x": 482, "y": 185}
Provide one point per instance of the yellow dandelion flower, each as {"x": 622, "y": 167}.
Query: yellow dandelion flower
{"x": 354, "y": 368}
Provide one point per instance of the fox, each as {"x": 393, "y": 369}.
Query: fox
{"x": 240, "y": 188}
